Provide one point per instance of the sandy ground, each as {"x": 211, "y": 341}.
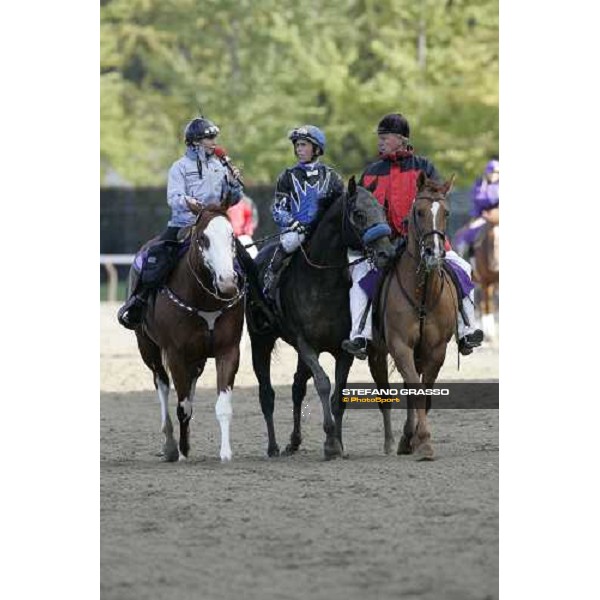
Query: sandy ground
{"x": 371, "y": 526}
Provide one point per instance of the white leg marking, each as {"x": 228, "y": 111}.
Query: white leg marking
{"x": 187, "y": 407}
{"x": 224, "y": 412}
{"x": 434, "y": 210}
{"x": 163, "y": 397}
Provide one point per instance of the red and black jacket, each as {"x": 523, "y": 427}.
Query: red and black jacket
{"x": 396, "y": 184}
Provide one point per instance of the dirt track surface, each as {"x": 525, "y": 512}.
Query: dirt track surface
{"x": 371, "y": 526}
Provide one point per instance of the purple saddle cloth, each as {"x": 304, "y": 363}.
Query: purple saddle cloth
{"x": 370, "y": 282}
{"x": 140, "y": 258}
{"x": 466, "y": 285}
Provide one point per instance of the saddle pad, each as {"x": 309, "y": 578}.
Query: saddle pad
{"x": 370, "y": 282}
{"x": 140, "y": 258}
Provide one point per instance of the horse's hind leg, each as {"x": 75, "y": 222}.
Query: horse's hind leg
{"x": 379, "y": 371}
{"x": 302, "y": 375}
{"x": 332, "y": 447}
{"x": 152, "y": 357}
{"x": 262, "y": 347}
{"x": 343, "y": 363}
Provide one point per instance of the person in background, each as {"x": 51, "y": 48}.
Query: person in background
{"x": 244, "y": 219}
{"x": 485, "y": 199}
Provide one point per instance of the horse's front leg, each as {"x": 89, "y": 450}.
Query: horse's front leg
{"x": 227, "y": 366}
{"x": 184, "y": 380}
{"x": 421, "y": 440}
{"x": 332, "y": 447}
{"x": 403, "y": 356}
{"x": 262, "y": 347}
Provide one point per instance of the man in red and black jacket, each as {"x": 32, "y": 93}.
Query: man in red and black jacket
{"x": 394, "y": 176}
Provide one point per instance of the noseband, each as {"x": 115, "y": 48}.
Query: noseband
{"x": 203, "y": 263}
{"x": 421, "y": 236}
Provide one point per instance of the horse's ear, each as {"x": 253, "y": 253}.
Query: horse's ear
{"x": 449, "y": 184}
{"x": 352, "y": 186}
{"x": 193, "y": 206}
{"x": 421, "y": 179}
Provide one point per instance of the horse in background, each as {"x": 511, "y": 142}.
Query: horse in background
{"x": 486, "y": 271}
{"x": 198, "y": 314}
{"x": 315, "y": 314}
{"x": 415, "y": 316}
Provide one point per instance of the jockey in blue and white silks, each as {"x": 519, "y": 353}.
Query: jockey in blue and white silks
{"x": 302, "y": 194}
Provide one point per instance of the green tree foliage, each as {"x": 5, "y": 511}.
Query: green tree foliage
{"x": 259, "y": 68}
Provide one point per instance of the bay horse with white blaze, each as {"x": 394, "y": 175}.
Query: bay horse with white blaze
{"x": 416, "y": 315}
{"x": 198, "y": 314}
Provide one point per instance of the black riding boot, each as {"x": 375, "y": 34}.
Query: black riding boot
{"x": 273, "y": 271}
{"x": 131, "y": 314}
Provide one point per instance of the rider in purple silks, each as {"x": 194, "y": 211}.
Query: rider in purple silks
{"x": 485, "y": 195}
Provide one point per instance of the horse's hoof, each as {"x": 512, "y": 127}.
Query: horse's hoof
{"x": 388, "y": 446}
{"x": 425, "y": 452}
{"x": 182, "y": 457}
{"x": 290, "y": 450}
{"x": 273, "y": 452}
{"x": 226, "y": 457}
{"x": 404, "y": 447}
{"x": 170, "y": 452}
{"x": 333, "y": 449}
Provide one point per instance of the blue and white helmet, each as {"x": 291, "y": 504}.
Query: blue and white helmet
{"x": 310, "y": 133}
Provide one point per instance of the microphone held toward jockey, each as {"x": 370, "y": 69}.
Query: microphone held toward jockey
{"x": 221, "y": 154}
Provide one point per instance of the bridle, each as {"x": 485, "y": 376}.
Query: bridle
{"x": 195, "y": 240}
{"x": 358, "y": 234}
{"x": 421, "y": 235}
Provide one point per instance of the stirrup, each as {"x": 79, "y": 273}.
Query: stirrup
{"x": 357, "y": 347}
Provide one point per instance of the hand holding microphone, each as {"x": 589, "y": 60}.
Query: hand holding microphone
{"x": 221, "y": 154}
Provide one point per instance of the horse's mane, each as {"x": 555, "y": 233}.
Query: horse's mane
{"x": 210, "y": 211}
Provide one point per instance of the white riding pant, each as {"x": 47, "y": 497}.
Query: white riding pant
{"x": 468, "y": 302}
{"x": 358, "y": 298}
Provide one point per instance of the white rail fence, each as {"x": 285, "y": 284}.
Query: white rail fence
{"x": 110, "y": 261}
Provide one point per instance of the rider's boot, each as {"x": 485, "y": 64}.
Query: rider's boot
{"x": 272, "y": 273}
{"x": 357, "y": 347}
{"x": 469, "y": 336}
{"x": 131, "y": 314}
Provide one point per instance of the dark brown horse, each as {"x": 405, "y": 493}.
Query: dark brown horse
{"x": 198, "y": 314}
{"x": 487, "y": 270}
{"x": 416, "y": 315}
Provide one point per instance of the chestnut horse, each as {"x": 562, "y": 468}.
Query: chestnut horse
{"x": 198, "y": 314}
{"x": 486, "y": 271}
{"x": 416, "y": 315}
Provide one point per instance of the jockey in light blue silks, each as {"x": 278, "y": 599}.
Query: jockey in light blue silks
{"x": 302, "y": 194}
{"x": 485, "y": 196}
{"x": 198, "y": 177}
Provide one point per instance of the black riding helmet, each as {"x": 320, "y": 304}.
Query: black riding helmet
{"x": 198, "y": 129}
{"x": 394, "y": 123}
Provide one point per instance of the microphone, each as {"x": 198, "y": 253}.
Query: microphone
{"x": 221, "y": 154}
